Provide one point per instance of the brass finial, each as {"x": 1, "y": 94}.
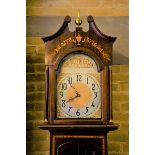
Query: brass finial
{"x": 78, "y": 20}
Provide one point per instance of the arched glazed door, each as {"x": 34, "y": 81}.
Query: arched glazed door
{"x": 79, "y": 147}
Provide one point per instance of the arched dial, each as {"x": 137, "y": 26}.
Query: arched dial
{"x": 78, "y": 95}
{"x": 78, "y": 88}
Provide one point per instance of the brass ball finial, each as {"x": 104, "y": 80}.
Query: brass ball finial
{"x": 78, "y": 20}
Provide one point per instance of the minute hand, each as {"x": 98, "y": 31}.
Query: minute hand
{"x": 75, "y": 91}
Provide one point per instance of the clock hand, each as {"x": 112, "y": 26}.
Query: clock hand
{"x": 73, "y": 98}
{"x": 77, "y": 93}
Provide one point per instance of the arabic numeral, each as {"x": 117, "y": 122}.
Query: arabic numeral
{"x": 61, "y": 94}
{"x": 63, "y": 103}
{"x": 95, "y": 93}
{"x": 69, "y": 109}
{"x": 77, "y": 113}
{"x": 93, "y": 104}
{"x": 64, "y": 86}
{"x": 70, "y": 80}
{"x": 87, "y": 80}
{"x": 86, "y": 110}
{"x": 93, "y": 86}
{"x": 79, "y": 78}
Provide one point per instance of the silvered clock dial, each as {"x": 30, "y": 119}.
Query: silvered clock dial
{"x": 78, "y": 88}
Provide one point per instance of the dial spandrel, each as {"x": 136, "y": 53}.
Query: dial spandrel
{"x": 78, "y": 88}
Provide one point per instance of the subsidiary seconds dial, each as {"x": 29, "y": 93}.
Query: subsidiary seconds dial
{"x": 78, "y": 96}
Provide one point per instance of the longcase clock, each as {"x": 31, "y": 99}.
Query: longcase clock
{"x": 78, "y": 107}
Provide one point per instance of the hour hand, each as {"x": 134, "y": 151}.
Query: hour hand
{"x": 71, "y": 99}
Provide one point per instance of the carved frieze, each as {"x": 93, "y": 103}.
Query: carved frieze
{"x": 65, "y": 40}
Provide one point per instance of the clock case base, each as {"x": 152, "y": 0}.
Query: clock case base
{"x": 82, "y": 139}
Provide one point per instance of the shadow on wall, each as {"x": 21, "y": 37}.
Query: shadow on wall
{"x": 119, "y": 58}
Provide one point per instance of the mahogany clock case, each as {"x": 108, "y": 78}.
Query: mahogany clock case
{"x": 84, "y": 135}
{"x": 94, "y": 44}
